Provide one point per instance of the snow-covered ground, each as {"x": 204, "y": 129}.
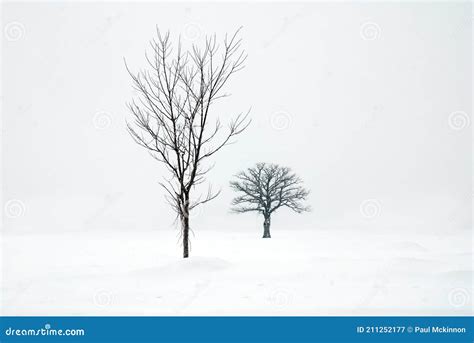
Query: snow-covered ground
{"x": 297, "y": 272}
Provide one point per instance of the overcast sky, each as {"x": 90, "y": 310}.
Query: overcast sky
{"x": 366, "y": 102}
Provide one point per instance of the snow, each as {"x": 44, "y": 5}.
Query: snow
{"x": 320, "y": 271}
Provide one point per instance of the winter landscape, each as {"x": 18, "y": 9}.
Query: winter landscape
{"x": 316, "y": 272}
{"x": 372, "y": 117}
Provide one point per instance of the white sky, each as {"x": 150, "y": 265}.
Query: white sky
{"x": 368, "y": 119}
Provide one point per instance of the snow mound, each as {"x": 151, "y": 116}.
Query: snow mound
{"x": 193, "y": 265}
{"x": 200, "y": 263}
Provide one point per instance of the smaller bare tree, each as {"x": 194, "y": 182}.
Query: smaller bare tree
{"x": 265, "y": 188}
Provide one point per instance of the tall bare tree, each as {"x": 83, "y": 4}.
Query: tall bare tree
{"x": 265, "y": 188}
{"x": 172, "y": 117}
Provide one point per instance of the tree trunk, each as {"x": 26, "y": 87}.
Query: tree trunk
{"x": 186, "y": 238}
{"x": 266, "y": 227}
{"x": 185, "y": 228}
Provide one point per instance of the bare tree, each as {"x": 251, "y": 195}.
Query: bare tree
{"x": 265, "y": 188}
{"x": 172, "y": 117}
